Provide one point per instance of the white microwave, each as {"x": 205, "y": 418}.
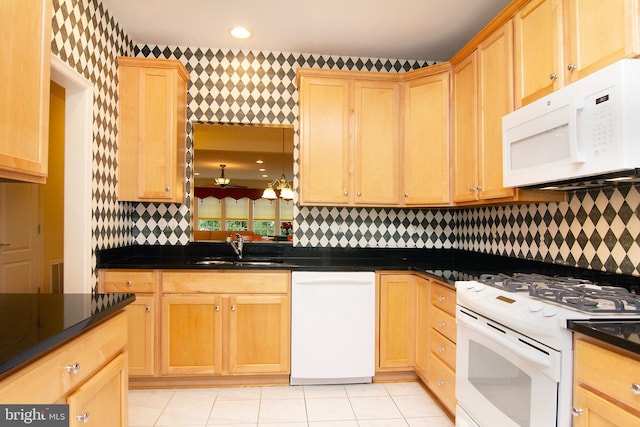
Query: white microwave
{"x": 586, "y": 129}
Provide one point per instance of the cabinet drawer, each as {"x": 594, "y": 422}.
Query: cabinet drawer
{"x": 443, "y": 323}
{"x": 236, "y": 282}
{"x": 443, "y": 298}
{"x": 442, "y": 381}
{"x": 443, "y": 348}
{"x": 594, "y": 367}
{"x": 47, "y": 380}
{"x": 128, "y": 281}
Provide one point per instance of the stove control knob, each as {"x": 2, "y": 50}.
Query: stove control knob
{"x": 479, "y": 287}
{"x": 550, "y": 311}
{"x": 535, "y": 306}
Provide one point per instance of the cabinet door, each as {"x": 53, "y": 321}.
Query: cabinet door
{"x": 102, "y": 400}
{"x": 377, "y": 143}
{"x": 25, "y": 29}
{"x": 422, "y": 326}
{"x": 141, "y": 327}
{"x": 538, "y": 68}
{"x": 495, "y": 97}
{"x": 465, "y": 128}
{"x": 599, "y": 33}
{"x": 156, "y": 133}
{"x": 426, "y": 141}
{"x": 191, "y": 335}
{"x": 397, "y": 320}
{"x": 596, "y": 411}
{"x": 324, "y": 141}
{"x": 259, "y": 331}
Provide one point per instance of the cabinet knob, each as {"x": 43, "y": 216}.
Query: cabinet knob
{"x": 635, "y": 388}
{"x": 84, "y": 418}
{"x": 72, "y": 369}
{"x": 359, "y": 194}
{"x": 472, "y": 189}
{"x": 441, "y": 349}
{"x": 576, "y": 411}
{"x": 167, "y": 189}
{"x": 553, "y": 76}
{"x": 441, "y": 298}
{"x": 572, "y": 67}
{"x": 346, "y": 193}
{"x": 479, "y": 188}
{"x": 406, "y": 194}
{"x": 148, "y": 309}
{"x": 128, "y": 283}
{"x": 442, "y": 324}
{"x": 232, "y": 308}
{"x": 440, "y": 382}
{"x": 217, "y": 308}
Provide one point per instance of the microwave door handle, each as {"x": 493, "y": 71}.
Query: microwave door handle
{"x": 576, "y": 155}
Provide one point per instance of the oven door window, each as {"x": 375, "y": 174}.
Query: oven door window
{"x": 501, "y": 382}
{"x": 498, "y": 385}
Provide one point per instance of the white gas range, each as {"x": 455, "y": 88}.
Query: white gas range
{"x": 514, "y": 351}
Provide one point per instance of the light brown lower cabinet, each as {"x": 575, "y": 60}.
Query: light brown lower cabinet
{"x": 606, "y": 380}
{"x": 89, "y": 373}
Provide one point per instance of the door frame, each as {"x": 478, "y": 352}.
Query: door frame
{"x": 78, "y": 178}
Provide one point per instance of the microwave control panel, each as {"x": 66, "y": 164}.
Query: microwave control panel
{"x": 602, "y": 122}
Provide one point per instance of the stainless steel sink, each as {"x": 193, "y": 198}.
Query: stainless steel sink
{"x": 213, "y": 262}
{"x": 238, "y": 263}
{"x": 258, "y": 263}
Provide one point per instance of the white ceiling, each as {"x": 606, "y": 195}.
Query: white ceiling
{"x": 431, "y": 30}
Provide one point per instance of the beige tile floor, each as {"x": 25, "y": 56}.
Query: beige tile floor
{"x": 354, "y": 405}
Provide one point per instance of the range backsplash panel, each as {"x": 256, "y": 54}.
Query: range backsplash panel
{"x": 597, "y": 229}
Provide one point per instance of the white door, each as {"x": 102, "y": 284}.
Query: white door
{"x": 20, "y": 270}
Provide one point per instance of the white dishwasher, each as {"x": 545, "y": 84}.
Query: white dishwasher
{"x": 332, "y": 327}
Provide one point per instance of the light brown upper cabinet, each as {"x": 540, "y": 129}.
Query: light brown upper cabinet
{"x": 152, "y": 129}
{"x": 426, "y": 140}
{"x": 24, "y": 84}
{"x": 560, "y": 41}
{"x": 349, "y": 139}
{"x": 482, "y": 95}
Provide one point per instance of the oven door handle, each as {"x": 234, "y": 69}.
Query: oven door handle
{"x": 522, "y": 352}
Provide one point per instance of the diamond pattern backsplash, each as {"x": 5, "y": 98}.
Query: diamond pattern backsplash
{"x": 597, "y": 229}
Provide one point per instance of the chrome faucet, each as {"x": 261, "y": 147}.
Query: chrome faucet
{"x": 236, "y": 245}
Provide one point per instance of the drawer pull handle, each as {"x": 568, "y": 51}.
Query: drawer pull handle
{"x": 84, "y": 418}
{"x": 128, "y": 283}
{"x": 441, "y": 298}
{"x": 72, "y": 369}
{"x": 217, "y": 308}
{"x": 148, "y": 309}
{"x": 232, "y": 308}
{"x": 635, "y": 388}
{"x": 553, "y": 76}
{"x": 440, "y": 349}
{"x": 576, "y": 412}
{"x": 440, "y": 383}
{"x": 442, "y": 324}
{"x": 572, "y": 67}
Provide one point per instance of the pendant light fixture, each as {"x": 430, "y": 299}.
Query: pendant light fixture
{"x": 285, "y": 187}
{"x": 222, "y": 181}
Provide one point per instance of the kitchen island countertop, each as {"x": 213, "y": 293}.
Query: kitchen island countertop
{"x": 32, "y": 325}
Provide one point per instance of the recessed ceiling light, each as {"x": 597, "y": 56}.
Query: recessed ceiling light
{"x": 262, "y": 169}
{"x": 259, "y": 162}
{"x": 240, "y": 33}
{"x": 265, "y": 175}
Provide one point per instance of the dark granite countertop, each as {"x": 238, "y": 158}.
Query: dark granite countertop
{"x": 446, "y": 264}
{"x": 622, "y": 333}
{"x": 31, "y": 325}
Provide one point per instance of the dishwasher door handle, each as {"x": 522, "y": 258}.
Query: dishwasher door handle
{"x": 307, "y": 282}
